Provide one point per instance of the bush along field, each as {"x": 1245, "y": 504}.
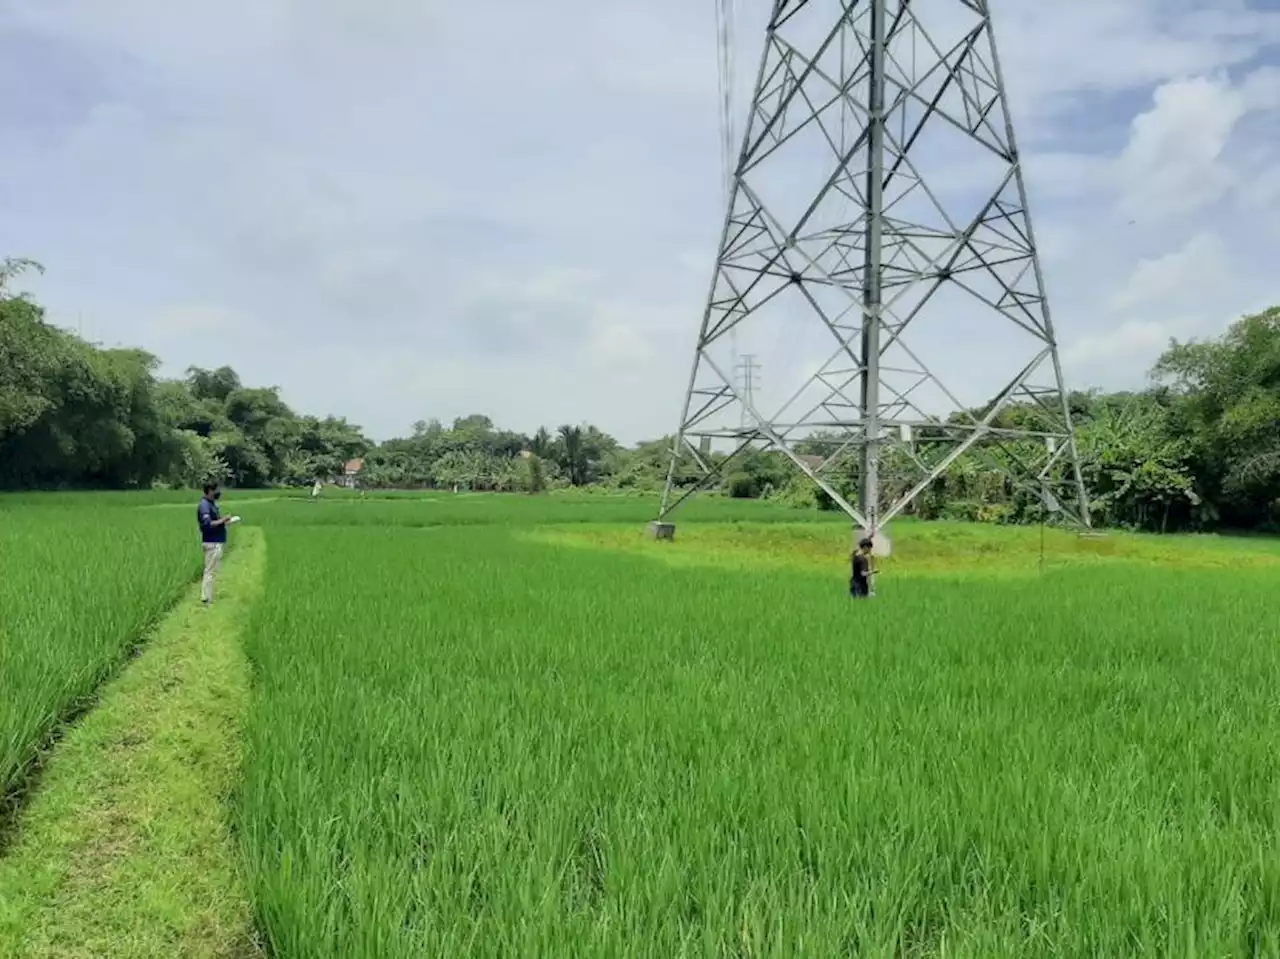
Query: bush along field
{"x": 515, "y": 726}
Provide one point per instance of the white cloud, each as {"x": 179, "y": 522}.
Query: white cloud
{"x": 1261, "y": 89}
{"x": 420, "y": 209}
{"x": 1182, "y": 253}
{"x": 1199, "y": 272}
{"x": 619, "y": 346}
{"x": 1144, "y": 338}
{"x": 1057, "y": 51}
{"x": 1173, "y": 164}
{"x": 1194, "y": 291}
{"x": 1264, "y": 192}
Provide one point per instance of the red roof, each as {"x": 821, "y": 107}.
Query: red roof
{"x": 355, "y": 466}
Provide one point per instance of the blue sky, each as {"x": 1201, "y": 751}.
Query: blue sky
{"x": 431, "y": 209}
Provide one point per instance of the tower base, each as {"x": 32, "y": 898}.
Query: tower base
{"x": 658, "y": 530}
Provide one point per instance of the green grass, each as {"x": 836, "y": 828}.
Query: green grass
{"x": 476, "y": 743}
{"x": 506, "y": 725}
{"x": 126, "y": 848}
{"x": 77, "y": 588}
{"x": 130, "y": 499}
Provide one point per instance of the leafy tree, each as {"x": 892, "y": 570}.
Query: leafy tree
{"x": 247, "y": 465}
{"x": 70, "y": 413}
{"x": 542, "y": 443}
{"x": 196, "y": 462}
{"x": 742, "y": 485}
{"x": 427, "y": 428}
{"x": 214, "y": 385}
{"x": 183, "y": 410}
{"x": 1225, "y": 400}
{"x": 30, "y": 355}
{"x": 148, "y": 446}
{"x": 472, "y": 431}
{"x": 537, "y": 478}
{"x": 329, "y": 443}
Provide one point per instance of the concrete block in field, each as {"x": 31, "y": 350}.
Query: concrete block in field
{"x": 662, "y": 530}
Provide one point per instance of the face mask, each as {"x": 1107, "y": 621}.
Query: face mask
{"x": 217, "y": 495}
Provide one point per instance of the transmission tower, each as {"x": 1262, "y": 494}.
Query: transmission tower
{"x": 878, "y": 225}
{"x": 748, "y": 372}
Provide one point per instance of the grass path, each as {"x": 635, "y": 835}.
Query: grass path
{"x": 126, "y": 849}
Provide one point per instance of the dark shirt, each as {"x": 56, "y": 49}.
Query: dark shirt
{"x": 860, "y": 583}
{"x": 206, "y": 514}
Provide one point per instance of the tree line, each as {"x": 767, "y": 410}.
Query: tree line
{"x": 1199, "y": 448}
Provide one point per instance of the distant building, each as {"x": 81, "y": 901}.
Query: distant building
{"x": 351, "y": 473}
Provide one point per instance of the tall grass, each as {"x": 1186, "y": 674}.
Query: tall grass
{"x": 77, "y": 586}
{"x": 468, "y": 743}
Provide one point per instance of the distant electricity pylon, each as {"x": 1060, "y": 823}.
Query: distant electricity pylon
{"x": 877, "y": 207}
{"x": 748, "y": 372}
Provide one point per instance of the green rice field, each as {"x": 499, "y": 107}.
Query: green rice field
{"x": 511, "y": 726}
{"x": 78, "y": 586}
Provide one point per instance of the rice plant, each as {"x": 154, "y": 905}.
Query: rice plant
{"x": 466, "y": 742}
{"x": 78, "y": 586}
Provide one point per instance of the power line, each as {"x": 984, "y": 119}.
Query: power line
{"x": 726, "y": 62}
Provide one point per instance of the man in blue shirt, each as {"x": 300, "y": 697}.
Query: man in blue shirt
{"x": 213, "y": 535}
{"x": 860, "y": 584}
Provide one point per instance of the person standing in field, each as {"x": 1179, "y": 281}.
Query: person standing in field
{"x": 860, "y": 583}
{"x": 213, "y": 537}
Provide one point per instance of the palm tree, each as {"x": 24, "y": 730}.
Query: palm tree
{"x": 573, "y": 454}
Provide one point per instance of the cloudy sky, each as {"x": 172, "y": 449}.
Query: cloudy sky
{"x": 431, "y": 209}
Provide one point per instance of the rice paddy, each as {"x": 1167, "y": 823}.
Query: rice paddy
{"x": 79, "y": 586}
{"x": 502, "y": 726}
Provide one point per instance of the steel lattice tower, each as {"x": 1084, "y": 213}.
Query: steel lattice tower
{"x": 878, "y": 214}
